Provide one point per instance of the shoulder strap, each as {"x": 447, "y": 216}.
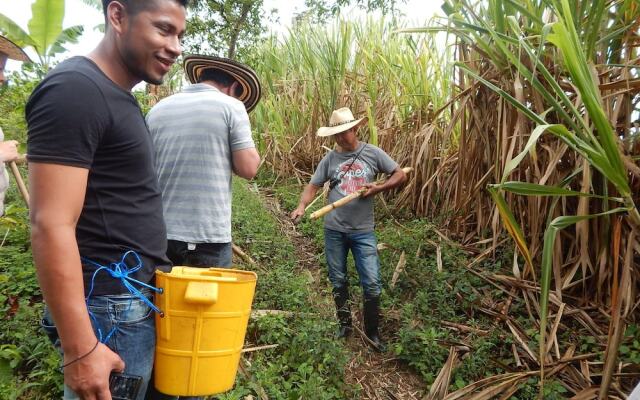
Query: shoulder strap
{"x": 334, "y": 182}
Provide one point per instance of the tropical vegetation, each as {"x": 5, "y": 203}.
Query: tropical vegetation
{"x": 510, "y": 257}
{"x": 45, "y": 35}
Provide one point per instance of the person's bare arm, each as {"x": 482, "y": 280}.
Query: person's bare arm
{"x": 306, "y": 197}
{"x": 397, "y": 178}
{"x": 57, "y": 196}
{"x": 246, "y": 162}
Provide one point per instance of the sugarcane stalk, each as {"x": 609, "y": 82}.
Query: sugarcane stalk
{"x": 349, "y": 198}
{"x": 21, "y": 186}
{"x": 316, "y": 199}
{"x": 339, "y": 203}
{"x": 237, "y": 250}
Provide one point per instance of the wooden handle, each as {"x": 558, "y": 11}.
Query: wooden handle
{"x": 22, "y": 159}
{"x": 21, "y": 186}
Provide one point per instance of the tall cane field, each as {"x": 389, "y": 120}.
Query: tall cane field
{"x": 520, "y": 120}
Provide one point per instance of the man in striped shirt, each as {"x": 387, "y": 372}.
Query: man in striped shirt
{"x": 201, "y": 135}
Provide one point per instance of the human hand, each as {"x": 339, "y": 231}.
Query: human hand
{"x": 297, "y": 214}
{"x": 9, "y": 150}
{"x": 89, "y": 376}
{"x": 371, "y": 189}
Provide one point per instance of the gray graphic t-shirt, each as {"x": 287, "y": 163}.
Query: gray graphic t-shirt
{"x": 356, "y": 216}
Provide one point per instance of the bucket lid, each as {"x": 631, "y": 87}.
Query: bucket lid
{"x": 210, "y": 274}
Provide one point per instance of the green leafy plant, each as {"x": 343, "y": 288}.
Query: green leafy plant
{"x": 45, "y": 35}
{"x": 517, "y": 41}
{"x": 630, "y": 348}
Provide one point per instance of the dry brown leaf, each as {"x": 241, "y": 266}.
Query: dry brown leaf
{"x": 440, "y": 386}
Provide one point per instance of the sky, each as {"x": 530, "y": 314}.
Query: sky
{"x": 78, "y": 13}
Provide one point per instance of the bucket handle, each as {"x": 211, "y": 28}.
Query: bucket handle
{"x": 203, "y": 293}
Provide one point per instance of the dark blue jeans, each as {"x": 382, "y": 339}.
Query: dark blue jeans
{"x": 202, "y": 255}
{"x": 134, "y": 338}
{"x": 364, "y": 248}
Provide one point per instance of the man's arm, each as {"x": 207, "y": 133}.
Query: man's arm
{"x": 57, "y": 196}
{"x": 306, "y": 197}
{"x": 246, "y": 162}
{"x": 397, "y": 178}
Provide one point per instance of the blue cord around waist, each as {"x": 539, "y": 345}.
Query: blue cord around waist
{"x": 121, "y": 270}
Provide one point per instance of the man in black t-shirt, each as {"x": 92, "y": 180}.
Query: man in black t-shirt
{"x": 96, "y": 209}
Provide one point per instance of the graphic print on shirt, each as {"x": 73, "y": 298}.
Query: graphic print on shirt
{"x": 352, "y": 178}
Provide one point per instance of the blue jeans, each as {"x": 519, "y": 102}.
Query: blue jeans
{"x": 364, "y": 249}
{"x": 134, "y": 338}
{"x": 203, "y": 255}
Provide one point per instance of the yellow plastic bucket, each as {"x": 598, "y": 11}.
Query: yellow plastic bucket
{"x": 201, "y": 331}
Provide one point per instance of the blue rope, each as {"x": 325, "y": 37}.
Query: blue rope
{"x": 121, "y": 270}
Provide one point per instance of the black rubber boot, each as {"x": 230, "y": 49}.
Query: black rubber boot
{"x": 371, "y": 322}
{"x": 343, "y": 311}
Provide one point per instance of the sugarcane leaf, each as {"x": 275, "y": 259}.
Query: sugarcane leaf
{"x": 533, "y": 189}
{"x": 511, "y": 225}
{"x": 512, "y": 100}
{"x": 565, "y": 37}
{"x": 373, "y": 130}
{"x": 514, "y": 162}
{"x": 592, "y": 151}
{"x": 557, "y": 91}
{"x": 547, "y": 262}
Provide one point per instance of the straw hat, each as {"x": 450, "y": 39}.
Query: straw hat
{"x": 12, "y": 50}
{"x": 341, "y": 120}
{"x": 195, "y": 64}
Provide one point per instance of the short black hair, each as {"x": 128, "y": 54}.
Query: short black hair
{"x": 219, "y": 76}
{"x": 135, "y": 6}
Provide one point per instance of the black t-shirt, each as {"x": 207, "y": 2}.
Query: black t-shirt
{"x": 78, "y": 117}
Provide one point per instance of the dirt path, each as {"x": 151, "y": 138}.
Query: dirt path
{"x": 381, "y": 376}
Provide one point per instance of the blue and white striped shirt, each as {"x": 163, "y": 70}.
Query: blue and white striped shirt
{"x": 194, "y": 133}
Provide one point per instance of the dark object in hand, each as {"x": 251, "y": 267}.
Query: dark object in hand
{"x": 123, "y": 386}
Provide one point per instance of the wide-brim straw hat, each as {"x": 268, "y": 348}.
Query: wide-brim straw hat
{"x": 12, "y": 50}
{"x": 195, "y": 64}
{"x": 341, "y": 120}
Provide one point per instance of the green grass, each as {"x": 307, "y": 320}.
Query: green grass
{"x": 308, "y": 360}
{"x": 28, "y": 362}
{"x": 305, "y": 365}
{"x": 423, "y": 297}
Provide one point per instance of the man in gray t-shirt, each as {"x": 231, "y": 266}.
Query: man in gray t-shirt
{"x": 353, "y": 166}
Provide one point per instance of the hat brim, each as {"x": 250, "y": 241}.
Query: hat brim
{"x": 12, "y": 50}
{"x": 195, "y": 64}
{"x": 332, "y": 130}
